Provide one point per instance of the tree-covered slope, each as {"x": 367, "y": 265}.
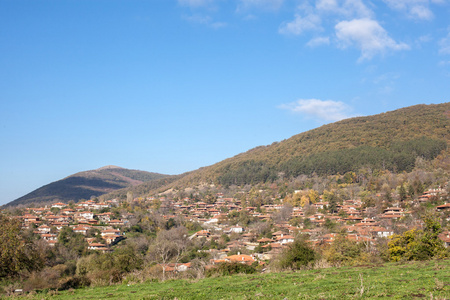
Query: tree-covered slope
{"x": 391, "y": 140}
{"x": 86, "y": 184}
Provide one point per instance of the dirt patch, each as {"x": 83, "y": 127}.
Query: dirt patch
{"x": 418, "y": 295}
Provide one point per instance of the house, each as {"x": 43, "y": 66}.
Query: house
{"x": 87, "y": 215}
{"x": 110, "y": 231}
{"x": 443, "y": 207}
{"x": 264, "y": 241}
{"x": 284, "y": 239}
{"x": 116, "y": 223}
{"x": 381, "y": 231}
{"x": 59, "y": 205}
{"x": 105, "y": 217}
{"x": 98, "y": 247}
{"x": 99, "y": 205}
{"x": 29, "y": 218}
{"x": 43, "y": 229}
{"x": 67, "y": 211}
{"x": 112, "y": 239}
{"x": 240, "y": 258}
{"x": 237, "y": 229}
{"x": 81, "y": 229}
{"x": 49, "y": 237}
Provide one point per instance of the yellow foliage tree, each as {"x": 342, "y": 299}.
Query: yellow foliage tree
{"x": 304, "y": 200}
{"x": 313, "y": 196}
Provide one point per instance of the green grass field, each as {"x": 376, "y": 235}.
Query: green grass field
{"x": 428, "y": 280}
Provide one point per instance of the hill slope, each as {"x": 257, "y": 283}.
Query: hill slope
{"x": 83, "y": 185}
{"x": 391, "y": 140}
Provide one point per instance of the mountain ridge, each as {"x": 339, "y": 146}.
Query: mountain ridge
{"x": 87, "y": 184}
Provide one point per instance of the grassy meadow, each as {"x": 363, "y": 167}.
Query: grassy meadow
{"x": 415, "y": 280}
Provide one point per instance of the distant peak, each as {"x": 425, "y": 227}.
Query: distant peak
{"x": 109, "y": 167}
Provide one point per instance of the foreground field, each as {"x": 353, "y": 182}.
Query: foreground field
{"x": 417, "y": 280}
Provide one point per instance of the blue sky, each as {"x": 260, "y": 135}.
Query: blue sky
{"x": 170, "y": 86}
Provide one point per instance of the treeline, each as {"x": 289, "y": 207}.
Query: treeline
{"x": 400, "y": 156}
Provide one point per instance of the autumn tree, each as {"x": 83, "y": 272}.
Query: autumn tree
{"x": 16, "y": 253}
{"x": 418, "y": 244}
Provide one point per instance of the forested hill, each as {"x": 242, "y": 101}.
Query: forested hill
{"x": 83, "y": 185}
{"x": 391, "y": 140}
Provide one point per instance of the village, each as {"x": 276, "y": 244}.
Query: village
{"x": 246, "y": 243}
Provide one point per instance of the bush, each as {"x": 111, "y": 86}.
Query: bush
{"x": 298, "y": 255}
{"x": 225, "y": 269}
{"x": 344, "y": 251}
{"x": 418, "y": 244}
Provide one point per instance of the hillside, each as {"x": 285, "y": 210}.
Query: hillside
{"x": 391, "y": 140}
{"x": 85, "y": 184}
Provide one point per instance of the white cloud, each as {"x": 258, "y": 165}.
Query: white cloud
{"x": 444, "y": 45}
{"x": 323, "y": 110}
{"x": 416, "y": 9}
{"x": 310, "y": 22}
{"x": 327, "y": 5}
{"x": 318, "y": 41}
{"x": 347, "y": 8}
{"x": 368, "y": 36}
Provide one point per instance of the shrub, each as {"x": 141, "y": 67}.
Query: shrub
{"x": 298, "y": 255}
{"x": 343, "y": 251}
{"x": 418, "y": 244}
{"x": 225, "y": 269}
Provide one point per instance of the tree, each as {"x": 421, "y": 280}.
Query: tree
{"x": 298, "y": 254}
{"x": 418, "y": 244}
{"x": 168, "y": 245}
{"x": 73, "y": 241}
{"x": 343, "y": 250}
{"x": 16, "y": 253}
{"x": 402, "y": 192}
{"x": 313, "y": 196}
{"x": 330, "y": 197}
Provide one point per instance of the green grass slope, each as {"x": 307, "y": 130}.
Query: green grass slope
{"x": 413, "y": 280}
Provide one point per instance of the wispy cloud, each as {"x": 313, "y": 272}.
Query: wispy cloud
{"x": 416, "y": 9}
{"x": 346, "y": 8}
{"x": 368, "y": 36}
{"x": 300, "y": 24}
{"x": 321, "y": 110}
{"x": 318, "y": 41}
{"x": 444, "y": 63}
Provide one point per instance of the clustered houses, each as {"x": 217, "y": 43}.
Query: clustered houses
{"x": 48, "y": 222}
{"x": 350, "y": 215}
{"x": 359, "y": 223}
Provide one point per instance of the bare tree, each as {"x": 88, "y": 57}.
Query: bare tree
{"x": 162, "y": 250}
{"x": 284, "y": 214}
{"x": 169, "y": 245}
